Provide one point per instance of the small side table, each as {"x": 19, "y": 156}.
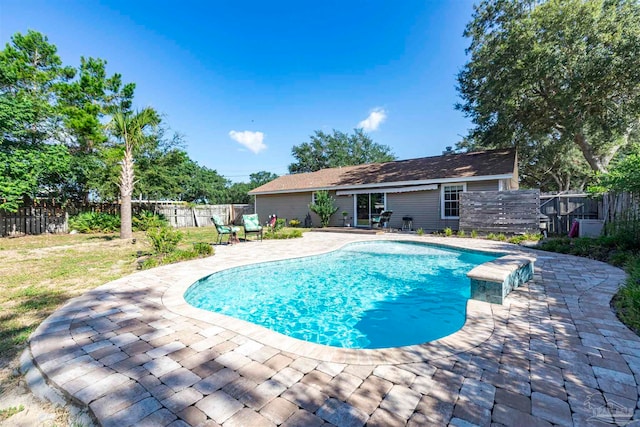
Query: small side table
{"x": 407, "y": 223}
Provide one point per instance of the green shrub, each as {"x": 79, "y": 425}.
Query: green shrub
{"x": 180, "y": 255}
{"x": 164, "y": 239}
{"x": 283, "y": 234}
{"x": 324, "y": 207}
{"x": 582, "y": 246}
{"x": 202, "y": 248}
{"x": 420, "y": 232}
{"x": 625, "y": 230}
{"x": 474, "y": 234}
{"x": 448, "y": 232}
{"x": 10, "y": 411}
{"x": 620, "y": 258}
{"x": 150, "y": 262}
{"x": 492, "y": 236}
{"x": 527, "y": 237}
{"x": 535, "y": 237}
{"x": 461, "y": 233}
{"x": 147, "y": 219}
{"x": 627, "y": 300}
{"x": 199, "y": 250}
{"x": 294, "y": 223}
{"x": 94, "y": 222}
{"x": 561, "y": 245}
{"x": 501, "y": 237}
{"x": 280, "y": 224}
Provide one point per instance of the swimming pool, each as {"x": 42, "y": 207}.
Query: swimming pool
{"x": 364, "y": 295}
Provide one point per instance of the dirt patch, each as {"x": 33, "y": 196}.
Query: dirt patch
{"x": 35, "y": 412}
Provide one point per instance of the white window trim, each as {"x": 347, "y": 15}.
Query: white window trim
{"x": 442, "y": 187}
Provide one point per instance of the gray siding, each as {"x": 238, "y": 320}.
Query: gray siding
{"x": 344, "y": 203}
{"x": 296, "y": 206}
{"x": 422, "y": 206}
{"x": 483, "y": 185}
{"x": 289, "y": 206}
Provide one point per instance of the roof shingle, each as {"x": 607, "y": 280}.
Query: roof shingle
{"x": 445, "y": 167}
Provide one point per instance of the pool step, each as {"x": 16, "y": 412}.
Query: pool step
{"x": 493, "y": 280}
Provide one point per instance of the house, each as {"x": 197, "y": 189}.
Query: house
{"x": 425, "y": 189}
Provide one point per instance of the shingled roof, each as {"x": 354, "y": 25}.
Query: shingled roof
{"x": 403, "y": 172}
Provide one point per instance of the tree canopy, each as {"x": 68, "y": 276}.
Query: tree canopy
{"x": 557, "y": 79}
{"x": 337, "y": 149}
{"x": 623, "y": 175}
{"x": 54, "y": 143}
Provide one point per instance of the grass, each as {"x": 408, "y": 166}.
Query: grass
{"x": 10, "y": 411}
{"x": 40, "y": 273}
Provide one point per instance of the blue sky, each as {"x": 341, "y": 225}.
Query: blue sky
{"x": 246, "y": 81}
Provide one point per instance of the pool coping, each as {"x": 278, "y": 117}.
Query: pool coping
{"x": 477, "y": 328}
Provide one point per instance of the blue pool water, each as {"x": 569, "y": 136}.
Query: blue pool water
{"x": 365, "y": 295}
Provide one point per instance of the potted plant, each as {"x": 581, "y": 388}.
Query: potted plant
{"x": 344, "y": 218}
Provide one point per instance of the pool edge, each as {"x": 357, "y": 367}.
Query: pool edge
{"x": 478, "y": 326}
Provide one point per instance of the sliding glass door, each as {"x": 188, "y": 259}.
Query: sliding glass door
{"x": 367, "y": 206}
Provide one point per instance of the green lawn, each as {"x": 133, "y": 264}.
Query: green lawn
{"x": 40, "y": 273}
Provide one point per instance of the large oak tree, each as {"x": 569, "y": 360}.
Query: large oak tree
{"x": 552, "y": 78}
{"x": 337, "y": 149}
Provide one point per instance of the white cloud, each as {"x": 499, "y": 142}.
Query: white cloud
{"x": 375, "y": 119}
{"x": 251, "y": 140}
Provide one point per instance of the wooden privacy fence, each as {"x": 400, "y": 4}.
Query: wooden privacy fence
{"x": 200, "y": 215}
{"x": 515, "y": 211}
{"x": 53, "y": 219}
{"x": 620, "y": 206}
{"x": 34, "y": 220}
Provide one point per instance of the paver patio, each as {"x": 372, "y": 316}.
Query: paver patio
{"x": 137, "y": 354}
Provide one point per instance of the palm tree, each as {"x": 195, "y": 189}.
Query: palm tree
{"x": 131, "y": 129}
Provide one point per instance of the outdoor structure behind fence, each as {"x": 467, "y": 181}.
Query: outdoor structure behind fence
{"x": 511, "y": 212}
{"x": 42, "y": 219}
{"x": 562, "y": 209}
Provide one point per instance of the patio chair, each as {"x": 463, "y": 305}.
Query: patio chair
{"x": 223, "y": 229}
{"x": 251, "y": 224}
{"x": 382, "y": 220}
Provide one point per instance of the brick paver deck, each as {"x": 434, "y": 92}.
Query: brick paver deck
{"x": 136, "y": 354}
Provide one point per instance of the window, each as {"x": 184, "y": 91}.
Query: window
{"x": 450, "y": 197}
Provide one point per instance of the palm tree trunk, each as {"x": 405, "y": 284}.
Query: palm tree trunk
{"x": 126, "y": 231}
{"x": 126, "y": 189}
